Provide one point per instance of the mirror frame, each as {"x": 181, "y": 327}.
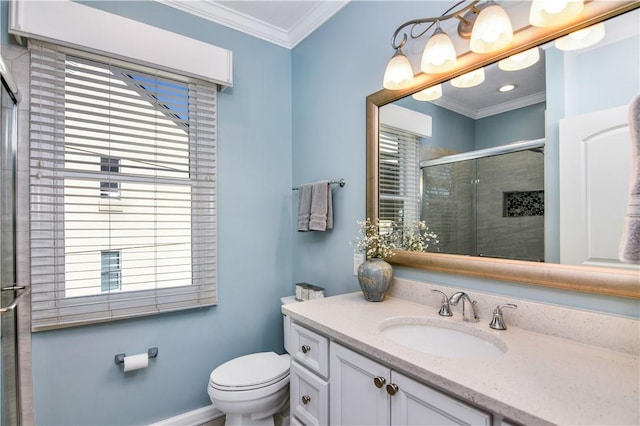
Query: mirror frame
{"x": 598, "y": 280}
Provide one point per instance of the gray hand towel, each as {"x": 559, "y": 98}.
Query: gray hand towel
{"x": 630, "y": 243}
{"x": 304, "y": 207}
{"x": 321, "y": 207}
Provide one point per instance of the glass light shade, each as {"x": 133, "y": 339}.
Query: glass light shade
{"x": 429, "y": 94}
{"x": 399, "y": 74}
{"x": 520, "y": 61}
{"x": 469, "y": 79}
{"x": 549, "y": 13}
{"x": 492, "y": 30}
{"x": 439, "y": 55}
{"x": 582, "y": 38}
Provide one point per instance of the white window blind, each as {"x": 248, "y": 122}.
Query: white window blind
{"x": 399, "y": 189}
{"x": 123, "y": 160}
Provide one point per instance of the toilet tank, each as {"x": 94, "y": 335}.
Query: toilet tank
{"x": 286, "y": 321}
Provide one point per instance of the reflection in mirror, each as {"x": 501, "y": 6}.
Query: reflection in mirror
{"x": 525, "y": 162}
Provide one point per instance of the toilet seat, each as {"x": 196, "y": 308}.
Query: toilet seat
{"x": 249, "y": 372}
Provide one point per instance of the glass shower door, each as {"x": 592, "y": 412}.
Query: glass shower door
{"x": 9, "y": 408}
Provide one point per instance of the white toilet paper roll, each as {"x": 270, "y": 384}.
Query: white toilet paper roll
{"x": 136, "y": 362}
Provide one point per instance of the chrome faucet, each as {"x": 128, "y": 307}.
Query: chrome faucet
{"x": 455, "y": 298}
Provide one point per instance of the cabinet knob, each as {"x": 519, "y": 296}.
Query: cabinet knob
{"x": 306, "y": 349}
{"x": 392, "y": 389}
{"x": 379, "y": 382}
{"x": 306, "y": 399}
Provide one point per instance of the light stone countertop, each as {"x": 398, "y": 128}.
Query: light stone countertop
{"x": 541, "y": 379}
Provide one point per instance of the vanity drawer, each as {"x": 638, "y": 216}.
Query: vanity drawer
{"x": 310, "y": 349}
{"x": 309, "y": 395}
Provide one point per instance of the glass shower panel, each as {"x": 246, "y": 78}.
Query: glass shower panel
{"x": 447, "y": 206}
{"x": 9, "y": 407}
{"x": 491, "y": 204}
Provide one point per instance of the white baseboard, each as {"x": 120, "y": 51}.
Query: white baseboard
{"x": 192, "y": 418}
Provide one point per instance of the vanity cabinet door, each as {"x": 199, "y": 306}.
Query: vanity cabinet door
{"x": 309, "y": 396}
{"x": 355, "y": 398}
{"x": 417, "y": 404}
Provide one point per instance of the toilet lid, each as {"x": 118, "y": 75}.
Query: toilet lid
{"x": 251, "y": 370}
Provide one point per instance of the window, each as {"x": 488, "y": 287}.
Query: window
{"x": 109, "y": 189}
{"x": 123, "y": 212}
{"x": 399, "y": 197}
{"x": 110, "y": 266}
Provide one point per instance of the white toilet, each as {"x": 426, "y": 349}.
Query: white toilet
{"x": 252, "y": 388}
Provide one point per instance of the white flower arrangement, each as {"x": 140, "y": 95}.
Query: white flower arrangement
{"x": 415, "y": 236}
{"x": 373, "y": 242}
{"x": 377, "y": 241}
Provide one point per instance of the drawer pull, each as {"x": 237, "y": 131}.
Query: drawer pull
{"x": 306, "y": 399}
{"x": 379, "y": 382}
{"x": 392, "y": 389}
{"x": 306, "y": 349}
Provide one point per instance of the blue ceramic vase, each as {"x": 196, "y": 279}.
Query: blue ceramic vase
{"x": 374, "y": 276}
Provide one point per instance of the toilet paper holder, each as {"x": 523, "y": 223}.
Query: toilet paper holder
{"x": 151, "y": 353}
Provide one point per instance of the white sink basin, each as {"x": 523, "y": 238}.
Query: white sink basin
{"x": 442, "y": 338}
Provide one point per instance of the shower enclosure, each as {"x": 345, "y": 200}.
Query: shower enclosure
{"x": 11, "y": 294}
{"x": 488, "y": 202}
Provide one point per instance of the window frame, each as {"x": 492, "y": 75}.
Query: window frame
{"x": 59, "y": 311}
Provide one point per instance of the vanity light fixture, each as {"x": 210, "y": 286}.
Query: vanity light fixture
{"x": 492, "y": 30}
{"x": 487, "y": 25}
{"x": 469, "y": 79}
{"x": 399, "y": 74}
{"x": 549, "y": 13}
{"x": 429, "y": 94}
{"x": 507, "y": 88}
{"x": 439, "y": 55}
{"x": 520, "y": 61}
{"x": 582, "y": 38}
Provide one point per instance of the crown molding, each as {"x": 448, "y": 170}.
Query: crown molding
{"x": 493, "y": 110}
{"x": 231, "y": 18}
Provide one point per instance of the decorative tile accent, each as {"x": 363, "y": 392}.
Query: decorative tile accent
{"x": 523, "y": 203}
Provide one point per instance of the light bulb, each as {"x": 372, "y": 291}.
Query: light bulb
{"x": 429, "y": 94}
{"x": 469, "y": 79}
{"x": 439, "y": 55}
{"x": 507, "y": 88}
{"x": 520, "y": 61}
{"x": 582, "y": 38}
{"x": 550, "y": 13}
{"x": 399, "y": 74}
{"x": 492, "y": 30}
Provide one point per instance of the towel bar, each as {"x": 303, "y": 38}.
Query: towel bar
{"x": 340, "y": 182}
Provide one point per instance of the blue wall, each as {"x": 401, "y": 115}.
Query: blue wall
{"x": 522, "y": 124}
{"x": 75, "y": 378}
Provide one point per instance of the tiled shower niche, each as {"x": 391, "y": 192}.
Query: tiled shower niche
{"x": 523, "y": 203}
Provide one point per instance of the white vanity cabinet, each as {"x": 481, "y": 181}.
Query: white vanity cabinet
{"x": 366, "y": 392}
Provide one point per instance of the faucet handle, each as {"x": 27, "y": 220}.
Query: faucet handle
{"x": 445, "y": 309}
{"x": 497, "y": 322}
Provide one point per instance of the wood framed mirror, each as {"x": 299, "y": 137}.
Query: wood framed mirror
{"x": 618, "y": 282}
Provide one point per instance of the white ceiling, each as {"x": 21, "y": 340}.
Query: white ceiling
{"x": 285, "y": 23}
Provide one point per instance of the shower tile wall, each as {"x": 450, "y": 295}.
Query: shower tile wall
{"x": 520, "y": 237}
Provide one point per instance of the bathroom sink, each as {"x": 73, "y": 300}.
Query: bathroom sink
{"x": 442, "y": 338}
